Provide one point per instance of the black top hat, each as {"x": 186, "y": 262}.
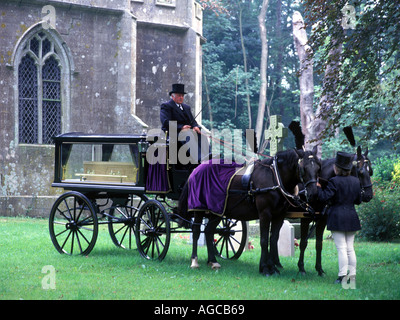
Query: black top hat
{"x": 344, "y": 160}
{"x": 177, "y": 88}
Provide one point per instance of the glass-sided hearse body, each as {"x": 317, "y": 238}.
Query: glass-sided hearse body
{"x": 109, "y": 163}
{"x": 115, "y": 163}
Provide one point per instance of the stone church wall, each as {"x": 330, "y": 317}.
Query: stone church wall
{"x": 119, "y": 60}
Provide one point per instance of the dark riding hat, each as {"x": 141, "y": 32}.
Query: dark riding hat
{"x": 177, "y": 88}
{"x": 344, "y": 160}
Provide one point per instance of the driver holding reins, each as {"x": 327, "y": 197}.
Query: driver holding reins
{"x": 176, "y": 110}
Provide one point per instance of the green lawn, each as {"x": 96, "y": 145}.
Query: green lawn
{"x": 112, "y": 273}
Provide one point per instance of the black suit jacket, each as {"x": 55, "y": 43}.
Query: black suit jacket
{"x": 344, "y": 193}
{"x": 171, "y": 112}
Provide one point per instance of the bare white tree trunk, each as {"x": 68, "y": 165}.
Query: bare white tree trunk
{"x": 306, "y": 78}
{"x": 245, "y": 67}
{"x": 312, "y": 123}
{"x": 263, "y": 71}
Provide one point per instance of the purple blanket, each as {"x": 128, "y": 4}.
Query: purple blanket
{"x": 208, "y": 186}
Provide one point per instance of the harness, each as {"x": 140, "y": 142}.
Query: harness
{"x": 250, "y": 193}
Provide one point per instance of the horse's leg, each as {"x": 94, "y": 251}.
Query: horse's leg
{"x": 276, "y": 225}
{"x": 198, "y": 218}
{"x": 209, "y": 232}
{"x": 266, "y": 263}
{"x": 319, "y": 233}
{"x": 304, "y": 223}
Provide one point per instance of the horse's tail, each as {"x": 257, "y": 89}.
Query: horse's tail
{"x": 183, "y": 202}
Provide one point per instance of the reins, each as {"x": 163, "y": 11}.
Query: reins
{"x": 293, "y": 200}
{"x": 274, "y": 168}
{"x": 231, "y": 147}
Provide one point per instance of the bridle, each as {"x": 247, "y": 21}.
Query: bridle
{"x": 359, "y": 164}
{"x": 301, "y": 173}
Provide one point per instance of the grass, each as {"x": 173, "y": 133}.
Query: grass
{"x": 112, "y": 273}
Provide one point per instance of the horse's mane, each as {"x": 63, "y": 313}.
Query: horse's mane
{"x": 289, "y": 157}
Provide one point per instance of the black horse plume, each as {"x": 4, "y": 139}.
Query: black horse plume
{"x": 348, "y": 131}
{"x": 299, "y": 137}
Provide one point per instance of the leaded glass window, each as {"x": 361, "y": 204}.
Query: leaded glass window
{"x": 39, "y": 91}
{"x": 51, "y": 75}
{"x": 28, "y": 100}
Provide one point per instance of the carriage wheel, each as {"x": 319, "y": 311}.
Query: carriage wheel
{"x": 122, "y": 221}
{"x": 73, "y": 224}
{"x": 230, "y": 238}
{"x": 152, "y": 230}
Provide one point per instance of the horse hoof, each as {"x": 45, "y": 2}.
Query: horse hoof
{"x": 214, "y": 265}
{"x": 270, "y": 273}
{"x": 195, "y": 264}
{"x": 302, "y": 273}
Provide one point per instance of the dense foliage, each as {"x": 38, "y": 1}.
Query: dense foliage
{"x": 368, "y": 79}
{"x": 224, "y": 88}
{"x": 380, "y": 218}
{"x": 366, "y": 83}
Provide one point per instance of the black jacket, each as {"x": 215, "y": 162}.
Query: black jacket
{"x": 171, "y": 112}
{"x": 343, "y": 193}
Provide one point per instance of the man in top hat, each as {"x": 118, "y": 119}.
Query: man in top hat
{"x": 176, "y": 110}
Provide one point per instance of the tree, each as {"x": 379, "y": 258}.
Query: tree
{"x": 367, "y": 75}
{"x": 230, "y": 87}
{"x": 244, "y": 64}
{"x": 314, "y": 124}
{"x": 306, "y": 76}
{"x": 263, "y": 71}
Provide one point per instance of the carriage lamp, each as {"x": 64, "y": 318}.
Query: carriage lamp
{"x": 143, "y": 146}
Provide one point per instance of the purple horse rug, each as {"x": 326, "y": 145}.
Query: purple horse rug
{"x": 208, "y": 186}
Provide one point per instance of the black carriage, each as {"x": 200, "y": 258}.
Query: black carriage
{"x": 109, "y": 179}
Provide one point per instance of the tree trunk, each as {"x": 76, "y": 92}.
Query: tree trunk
{"x": 306, "y": 77}
{"x": 245, "y": 66}
{"x": 208, "y": 101}
{"x": 328, "y": 94}
{"x": 314, "y": 124}
{"x": 263, "y": 70}
{"x": 279, "y": 62}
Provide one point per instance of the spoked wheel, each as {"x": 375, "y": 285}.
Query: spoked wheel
{"x": 122, "y": 221}
{"x": 153, "y": 230}
{"x": 73, "y": 224}
{"x": 230, "y": 238}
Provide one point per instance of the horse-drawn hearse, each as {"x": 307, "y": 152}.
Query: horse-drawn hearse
{"x": 110, "y": 179}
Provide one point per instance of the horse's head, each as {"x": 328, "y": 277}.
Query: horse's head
{"x": 363, "y": 170}
{"x": 309, "y": 167}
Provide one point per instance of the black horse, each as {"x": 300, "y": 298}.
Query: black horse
{"x": 273, "y": 183}
{"x": 361, "y": 169}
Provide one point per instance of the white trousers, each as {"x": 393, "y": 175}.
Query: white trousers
{"x": 344, "y": 242}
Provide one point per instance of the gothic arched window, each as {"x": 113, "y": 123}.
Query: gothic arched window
{"x": 39, "y": 91}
